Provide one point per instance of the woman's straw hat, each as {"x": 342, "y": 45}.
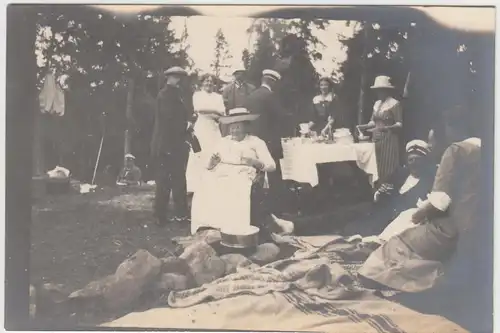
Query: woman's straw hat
{"x": 238, "y": 115}
{"x": 382, "y": 82}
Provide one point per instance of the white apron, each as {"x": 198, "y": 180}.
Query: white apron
{"x": 223, "y": 195}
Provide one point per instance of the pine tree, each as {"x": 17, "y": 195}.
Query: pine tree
{"x": 222, "y": 54}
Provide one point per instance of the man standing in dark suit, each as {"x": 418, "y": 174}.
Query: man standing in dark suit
{"x": 265, "y": 102}
{"x": 170, "y": 148}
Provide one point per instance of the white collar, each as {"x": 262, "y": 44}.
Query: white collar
{"x": 387, "y": 104}
{"x": 475, "y": 141}
{"x": 266, "y": 86}
{"x": 320, "y": 98}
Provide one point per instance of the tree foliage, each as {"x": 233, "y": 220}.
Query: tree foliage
{"x": 289, "y": 46}
{"x": 94, "y": 54}
{"x": 425, "y": 51}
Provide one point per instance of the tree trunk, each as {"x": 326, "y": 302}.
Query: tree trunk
{"x": 361, "y": 101}
{"x": 130, "y": 117}
{"x": 21, "y": 104}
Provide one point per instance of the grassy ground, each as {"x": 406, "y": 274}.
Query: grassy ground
{"x": 78, "y": 238}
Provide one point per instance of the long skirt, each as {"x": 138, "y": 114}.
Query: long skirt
{"x": 387, "y": 152}
{"x": 208, "y": 133}
{"x": 411, "y": 261}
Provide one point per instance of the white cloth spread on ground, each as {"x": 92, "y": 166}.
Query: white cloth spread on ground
{"x": 300, "y": 159}
{"x": 206, "y": 130}
{"x": 51, "y": 97}
{"x": 223, "y": 197}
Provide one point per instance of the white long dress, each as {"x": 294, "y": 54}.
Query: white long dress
{"x": 223, "y": 197}
{"x": 206, "y": 130}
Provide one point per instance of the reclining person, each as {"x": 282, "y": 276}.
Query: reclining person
{"x": 409, "y": 184}
{"x": 409, "y": 261}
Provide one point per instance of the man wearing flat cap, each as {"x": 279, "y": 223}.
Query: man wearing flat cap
{"x": 170, "y": 148}
{"x": 235, "y": 94}
{"x": 265, "y": 102}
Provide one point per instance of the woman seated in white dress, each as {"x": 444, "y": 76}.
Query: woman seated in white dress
{"x": 230, "y": 169}
{"x": 209, "y": 107}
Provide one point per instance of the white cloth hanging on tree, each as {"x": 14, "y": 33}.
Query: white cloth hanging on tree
{"x": 51, "y": 97}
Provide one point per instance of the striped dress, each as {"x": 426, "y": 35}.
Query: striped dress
{"x": 387, "y": 144}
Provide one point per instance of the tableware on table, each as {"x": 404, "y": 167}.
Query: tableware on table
{"x": 343, "y": 136}
{"x": 304, "y": 129}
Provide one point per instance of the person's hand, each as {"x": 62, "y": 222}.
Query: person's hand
{"x": 419, "y": 217}
{"x": 386, "y": 188}
{"x": 214, "y": 160}
{"x": 251, "y": 162}
{"x": 311, "y": 124}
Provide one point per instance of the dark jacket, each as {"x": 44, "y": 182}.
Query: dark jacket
{"x": 171, "y": 120}
{"x": 234, "y": 96}
{"x": 269, "y": 126}
{"x": 390, "y": 205}
{"x": 321, "y": 110}
{"x": 395, "y": 203}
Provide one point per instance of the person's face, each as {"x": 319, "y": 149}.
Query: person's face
{"x": 272, "y": 83}
{"x": 238, "y": 131}
{"x": 324, "y": 87}
{"x": 174, "y": 80}
{"x": 208, "y": 84}
{"x": 415, "y": 163}
{"x": 129, "y": 162}
{"x": 382, "y": 93}
{"x": 239, "y": 76}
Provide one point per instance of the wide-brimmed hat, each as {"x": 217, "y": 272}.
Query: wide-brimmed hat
{"x": 382, "y": 82}
{"x": 130, "y": 156}
{"x": 270, "y": 73}
{"x": 176, "y": 70}
{"x": 418, "y": 147}
{"x": 238, "y": 115}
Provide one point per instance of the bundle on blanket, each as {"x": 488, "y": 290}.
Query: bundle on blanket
{"x": 315, "y": 276}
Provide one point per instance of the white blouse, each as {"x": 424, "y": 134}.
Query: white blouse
{"x": 231, "y": 152}
{"x": 204, "y": 101}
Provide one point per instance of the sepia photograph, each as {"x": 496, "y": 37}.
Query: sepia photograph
{"x": 297, "y": 168}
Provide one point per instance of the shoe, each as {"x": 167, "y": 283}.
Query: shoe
{"x": 181, "y": 219}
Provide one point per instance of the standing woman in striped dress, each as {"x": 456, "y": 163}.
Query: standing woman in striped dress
{"x": 386, "y": 126}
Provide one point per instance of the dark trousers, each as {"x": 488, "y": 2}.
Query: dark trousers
{"x": 260, "y": 213}
{"x": 276, "y": 188}
{"x": 170, "y": 176}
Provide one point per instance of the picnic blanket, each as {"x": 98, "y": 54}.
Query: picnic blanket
{"x": 315, "y": 271}
{"x": 312, "y": 291}
{"x": 291, "y": 311}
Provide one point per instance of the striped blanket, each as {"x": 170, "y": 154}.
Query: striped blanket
{"x": 315, "y": 271}
{"x": 314, "y": 291}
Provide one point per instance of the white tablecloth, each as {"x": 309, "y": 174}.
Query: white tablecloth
{"x": 300, "y": 159}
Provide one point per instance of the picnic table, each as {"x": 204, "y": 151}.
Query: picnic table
{"x": 300, "y": 158}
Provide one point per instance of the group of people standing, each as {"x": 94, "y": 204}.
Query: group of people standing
{"x": 192, "y": 142}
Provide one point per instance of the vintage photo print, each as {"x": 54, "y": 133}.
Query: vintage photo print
{"x": 249, "y": 168}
